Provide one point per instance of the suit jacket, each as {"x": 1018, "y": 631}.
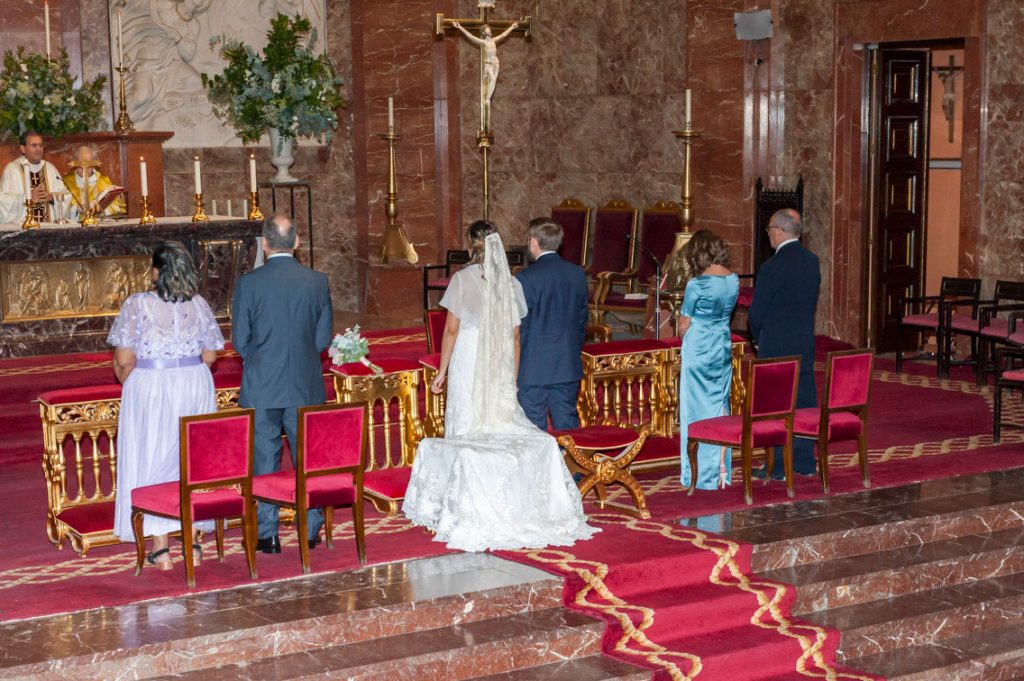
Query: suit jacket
{"x": 281, "y": 320}
{"x": 781, "y": 316}
{"x": 552, "y": 333}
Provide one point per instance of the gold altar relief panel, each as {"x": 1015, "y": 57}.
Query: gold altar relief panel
{"x": 85, "y": 287}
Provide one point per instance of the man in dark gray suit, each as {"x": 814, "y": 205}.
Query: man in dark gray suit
{"x": 281, "y": 321}
{"x": 552, "y": 334}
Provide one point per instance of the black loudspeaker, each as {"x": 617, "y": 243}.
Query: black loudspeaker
{"x": 755, "y": 25}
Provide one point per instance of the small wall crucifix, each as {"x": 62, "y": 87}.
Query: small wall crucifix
{"x": 947, "y": 76}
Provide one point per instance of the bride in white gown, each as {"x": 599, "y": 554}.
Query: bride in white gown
{"x": 495, "y": 481}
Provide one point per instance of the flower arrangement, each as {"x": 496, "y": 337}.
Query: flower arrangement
{"x": 39, "y": 94}
{"x": 287, "y": 87}
{"x": 350, "y": 347}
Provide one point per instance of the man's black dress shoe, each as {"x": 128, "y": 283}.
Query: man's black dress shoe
{"x": 314, "y": 542}
{"x": 269, "y": 545}
{"x": 762, "y": 473}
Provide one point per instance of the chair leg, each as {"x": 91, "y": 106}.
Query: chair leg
{"x": 691, "y": 454}
{"x": 329, "y": 526}
{"x": 748, "y": 474}
{"x": 899, "y": 349}
{"x": 997, "y": 414}
{"x": 787, "y": 465}
{"x": 186, "y": 551}
{"x": 249, "y": 537}
{"x": 823, "y": 464}
{"x": 862, "y": 453}
{"x": 140, "y": 541}
{"x": 357, "y": 526}
{"x": 300, "y": 527}
{"x": 220, "y": 539}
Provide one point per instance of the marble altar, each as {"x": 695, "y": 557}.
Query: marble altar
{"x": 62, "y": 285}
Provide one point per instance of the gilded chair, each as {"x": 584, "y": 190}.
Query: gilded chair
{"x": 574, "y": 219}
{"x": 602, "y": 453}
{"x": 766, "y": 422}
{"x": 934, "y": 314}
{"x": 657, "y": 234}
{"x": 613, "y": 246}
{"x": 1009, "y": 379}
{"x": 330, "y": 459}
{"x": 216, "y": 483}
{"x": 843, "y": 414}
{"x": 433, "y": 403}
{"x": 434, "y": 320}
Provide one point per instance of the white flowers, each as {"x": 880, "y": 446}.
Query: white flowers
{"x": 275, "y": 85}
{"x": 46, "y": 100}
{"x": 24, "y": 67}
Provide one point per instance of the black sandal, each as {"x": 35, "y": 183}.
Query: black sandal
{"x": 197, "y": 552}
{"x": 151, "y": 559}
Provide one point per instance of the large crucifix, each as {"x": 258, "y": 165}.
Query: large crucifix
{"x": 480, "y": 32}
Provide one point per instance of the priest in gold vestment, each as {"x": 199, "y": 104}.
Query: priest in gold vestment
{"x": 106, "y": 197}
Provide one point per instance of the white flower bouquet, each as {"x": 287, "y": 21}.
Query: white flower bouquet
{"x": 350, "y": 347}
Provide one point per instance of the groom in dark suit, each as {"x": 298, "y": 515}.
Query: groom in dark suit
{"x": 781, "y": 317}
{"x": 281, "y": 320}
{"x": 552, "y": 333}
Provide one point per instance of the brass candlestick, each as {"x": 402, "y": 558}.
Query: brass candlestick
{"x": 200, "y": 214}
{"x": 147, "y": 215}
{"x": 484, "y": 140}
{"x": 676, "y": 270}
{"x": 395, "y": 245}
{"x": 254, "y": 206}
{"x": 123, "y": 124}
{"x": 30, "y": 221}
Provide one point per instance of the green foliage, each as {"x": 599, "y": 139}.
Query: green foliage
{"x": 287, "y": 87}
{"x": 40, "y": 94}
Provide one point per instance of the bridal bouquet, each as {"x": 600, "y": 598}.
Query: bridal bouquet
{"x": 350, "y": 347}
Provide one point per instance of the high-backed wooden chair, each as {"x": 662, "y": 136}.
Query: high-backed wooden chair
{"x": 1009, "y": 379}
{"x": 574, "y": 218}
{"x": 843, "y": 414}
{"x": 934, "y": 314}
{"x": 988, "y": 327}
{"x": 453, "y": 260}
{"x": 434, "y": 320}
{"x": 614, "y": 240}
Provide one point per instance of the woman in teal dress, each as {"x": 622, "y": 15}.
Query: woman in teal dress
{"x": 706, "y": 373}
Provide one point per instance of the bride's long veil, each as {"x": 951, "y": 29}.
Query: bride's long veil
{"x": 494, "y": 386}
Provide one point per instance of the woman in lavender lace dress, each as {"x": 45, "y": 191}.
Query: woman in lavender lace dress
{"x": 165, "y": 340}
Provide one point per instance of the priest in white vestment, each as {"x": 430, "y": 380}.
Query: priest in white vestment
{"x": 42, "y": 175}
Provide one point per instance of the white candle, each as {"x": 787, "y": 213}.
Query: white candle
{"x": 688, "y": 119}
{"x": 28, "y": 183}
{"x": 213, "y": 208}
{"x": 199, "y": 182}
{"x": 145, "y": 179}
{"x": 229, "y": 207}
{"x": 252, "y": 173}
{"x": 245, "y": 208}
{"x": 391, "y": 114}
{"x": 46, "y": 25}
{"x": 120, "y": 40}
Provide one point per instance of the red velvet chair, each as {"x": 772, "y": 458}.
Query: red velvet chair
{"x": 216, "y": 483}
{"x": 330, "y": 458}
{"x": 766, "y": 422}
{"x": 934, "y": 314}
{"x": 615, "y": 235}
{"x": 434, "y": 320}
{"x": 574, "y": 218}
{"x": 844, "y": 410}
{"x": 453, "y": 260}
{"x": 1010, "y": 379}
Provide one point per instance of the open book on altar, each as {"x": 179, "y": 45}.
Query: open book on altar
{"x": 107, "y": 196}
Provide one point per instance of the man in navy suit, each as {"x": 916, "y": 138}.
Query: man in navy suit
{"x": 281, "y": 321}
{"x": 552, "y": 333}
{"x": 781, "y": 317}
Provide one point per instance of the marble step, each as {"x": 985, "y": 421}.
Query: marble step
{"x": 455, "y": 652}
{"x": 591, "y": 668}
{"x": 926, "y": 617}
{"x": 197, "y": 631}
{"x": 990, "y": 655}
{"x": 832, "y": 584}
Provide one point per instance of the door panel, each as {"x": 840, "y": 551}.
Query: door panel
{"x": 902, "y": 164}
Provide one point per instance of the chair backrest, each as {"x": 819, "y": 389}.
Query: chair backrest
{"x": 960, "y": 287}
{"x": 848, "y": 379}
{"x": 332, "y": 437}
{"x": 216, "y": 449}
{"x": 658, "y": 228}
{"x": 574, "y": 218}
{"x": 615, "y": 231}
{"x": 1009, "y": 291}
{"x": 433, "y": 323}
{"x": 771, "y": 387}
{"x": 453, "y": 259}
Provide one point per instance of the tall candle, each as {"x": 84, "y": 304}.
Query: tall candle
{"x": 199, "y": 182}
{"x": 28, "y": 183}
{"x": 145, "y": 178}
{"x": 245, "y": 208}
{"x": 252, "y": 173}
{"x": 391, "y": 114}
{"x": 229, "y": 207}
{"x": 120, "y": 40}
{"x": 688, "y": 119}
{"x": 46, "y": 25}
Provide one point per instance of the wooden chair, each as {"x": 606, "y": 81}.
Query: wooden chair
{"x": 934, "y": 314}
{"x": 330, "y": 457}
{"x": 1009, "y": 379}
{"x": 574, "y": 218}
{"x": 453, "y": 260}
{"x": 843, "y": 414}
{"x": 216, "y": 483}
{"x": 989, "y": 328}
{"x": 434, "y": 320}
{"x": 766, "y": 422}
{"x": 614, "y": 239}
{"x": 603, "y": 453}
{"x": 766, "y": 203}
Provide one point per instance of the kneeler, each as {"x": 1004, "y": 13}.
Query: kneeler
{"x": 603, "y": 454}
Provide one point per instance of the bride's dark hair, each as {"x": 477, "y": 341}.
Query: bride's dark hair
{"x": 475, "y": 236}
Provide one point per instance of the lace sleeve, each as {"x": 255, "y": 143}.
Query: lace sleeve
{"x": 127, "y": 329}
{"x": 211, "y": 337}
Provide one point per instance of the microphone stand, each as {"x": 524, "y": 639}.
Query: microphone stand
{"x": 657, "y": 293}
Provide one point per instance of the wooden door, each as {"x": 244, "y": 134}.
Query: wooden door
{"x": 902, "y": 158}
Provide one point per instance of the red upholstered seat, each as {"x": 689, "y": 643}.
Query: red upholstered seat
{"x": 623, "y": 347}
{"x": 1017, "y": 337}
{"x": 616, "y": 299}
{"x": 842, "y": 425}
{"x": 431, "y": 361}
{"x": 329, "y": 462}
{"x": 996, "y": 328}
{"x": 928, "y": 320}
{"x": 1015, "y": 375}
{"x": 964, "y": 323}
{"x": 388, "y": 365}
{"x": 729, "y": 430}
{"x": 216, "y": 483}
{"x": 603, "y": 454}
{"x": 745, "y": 297}
{"x": 89, "y": 518}
{"x": 83, "y": 394}
{"x": 388, "y": 482}
{"x": 601, "y": 437}
{"x": 657, "y": 448}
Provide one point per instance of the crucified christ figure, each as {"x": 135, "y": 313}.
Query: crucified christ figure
{"x": 488, "y": 45}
